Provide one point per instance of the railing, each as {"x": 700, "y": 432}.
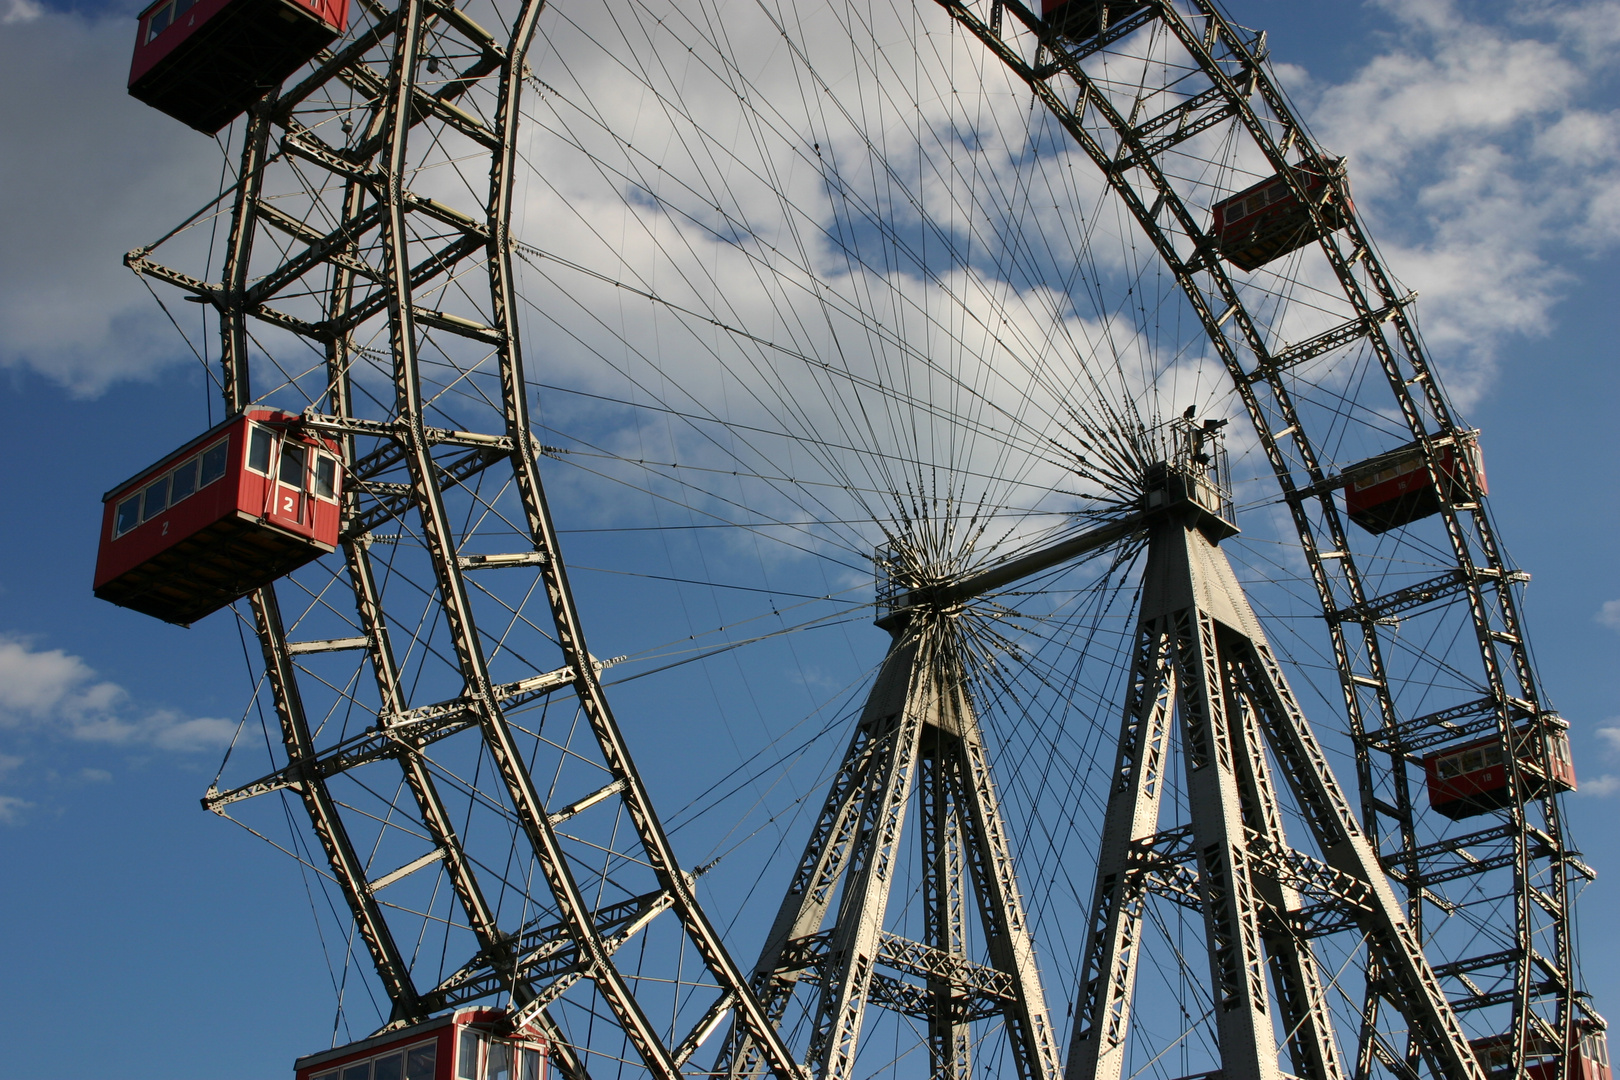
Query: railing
{"x": 1198, "y": 452}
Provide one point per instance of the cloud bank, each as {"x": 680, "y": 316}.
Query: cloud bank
{"x": 86, "y": 173}
{"x": 49, "y": 694}
{"x": 1487, "y": 159}
{"x": 49, "y": 691}
{"x": 1487, "y": 156}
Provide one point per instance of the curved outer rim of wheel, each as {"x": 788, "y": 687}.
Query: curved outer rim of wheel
{"x": 1380, "y": 759}
{"x": 410, "y": 432}
{"x": 1497, "y": 625}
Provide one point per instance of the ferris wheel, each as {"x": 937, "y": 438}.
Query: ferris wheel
{"x": 1197, "y": 732}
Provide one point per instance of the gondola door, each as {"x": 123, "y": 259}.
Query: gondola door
{"x": 290, "y": 502}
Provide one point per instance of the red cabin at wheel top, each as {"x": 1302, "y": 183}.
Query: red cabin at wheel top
{"x": 1543, "y": 1062}
{"x": 205, "y": 61}
{"x": 1262, "y": 222}
{"x": 1472, "y": 778}
{"x": 1394, "y": 489}
{"x": 228, "y": 513}
{"x": 468, "y": 1044}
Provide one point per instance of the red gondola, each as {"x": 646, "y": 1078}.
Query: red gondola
{"x": 205, "y": 61}
{"x": 1262, "y": 222}
{"x": 1393, "y": 489}
{"x": 468, "y": 1044}
{"x": 1543, "y": 1062}
{"x": 1472, "y": 779}
{"x": 227, "y": 513}
{"x": 1080, "y": 20}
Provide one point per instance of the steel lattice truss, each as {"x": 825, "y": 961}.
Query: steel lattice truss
{"x": 917, "y": 740}
{"x": 1130, "y": 133}
{"x": 467, "y": 782}
{"x": 329, "y": 239}
{"x": 1201, "y": 654}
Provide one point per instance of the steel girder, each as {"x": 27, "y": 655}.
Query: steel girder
{"x": 1126, "y": 138}
{"x": 1127, "y": 148}
{"x": 1202, "y": 655}
{"x": 372, "y": 266}
{"x": 917, "y": 738}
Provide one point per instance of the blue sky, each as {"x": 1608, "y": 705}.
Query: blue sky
{"x": 145, "y": 938}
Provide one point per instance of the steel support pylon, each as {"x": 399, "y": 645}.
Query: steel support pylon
{"x": 1522, "y": 983}
{"x": 1204, "y": 674}
{"x": 917, "y": 740}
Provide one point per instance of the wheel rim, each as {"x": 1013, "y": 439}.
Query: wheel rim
{"x": 826, "y": 292}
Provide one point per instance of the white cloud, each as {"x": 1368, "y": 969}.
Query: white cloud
{"x": 11, "y": 808}
{"x": 1609, "y": 614}
{"x": 86, "y": 173}
{"x": 51, "y": 691}
{"x": 44, "y": 684}
{"x": 1482, "y": 155}
{"x": 1580, "y": 137}
{"x": 52, "y": 694}
{"x": 163, "y": 729}
{"x": 1611, "y": 738}
{"x": 1592, "y": 28}
{"x": 1599, "y": 787}
{"x": 21, "y": 11}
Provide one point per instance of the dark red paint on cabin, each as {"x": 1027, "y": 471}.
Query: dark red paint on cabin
{"x": 468, "y": 1044}
{"x": 1262, "y": 222}
{"x": 229, "y": 512}
{"x": 1543, "y": 1062}
{"x": 1471, "y": 778}
{"x": 1081, "y": 20}
{"x": 205, "y": 61}
{"x": 1394, "y": 489}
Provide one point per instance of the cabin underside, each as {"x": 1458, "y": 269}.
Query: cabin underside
{"x": 245, "y": 51}
{"x": 1251, "y": 247}
{"x": 210, "y": 569}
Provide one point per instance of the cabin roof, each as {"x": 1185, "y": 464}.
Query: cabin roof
{"x": 375, "y": 1041}
{"x": 182, "y": 451}
{"x": 464, "y": 1016}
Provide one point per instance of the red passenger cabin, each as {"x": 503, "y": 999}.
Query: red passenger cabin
{"x": 1472, "y": 779}
{"x": 1081, "y": 20}
{"x": 205, "y": 61}
{"x": 1543, "y": 1062}
{"x": 229, "y": 512}
{"x": 468, "y": 1044}
{"x": 1394, "y": 489}
{"x": 1268, "y": 220}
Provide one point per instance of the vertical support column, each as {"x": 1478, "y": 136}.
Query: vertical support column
{"x": 852, "y": 952}
{"x": 1229, "y": 637}
{"x": 917, "y": 729}
{"x": 950, "y": 1044}
{"x": 990, "y": 860}
{"x": 1307, "y": 1023}
{"x": 1412, "y": 984}
{"x": 1243, "y": 1022}
{"x": 1108, "y": 969}
{"x": 827, "y": 854}
{"x": 1193, "y": 623}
